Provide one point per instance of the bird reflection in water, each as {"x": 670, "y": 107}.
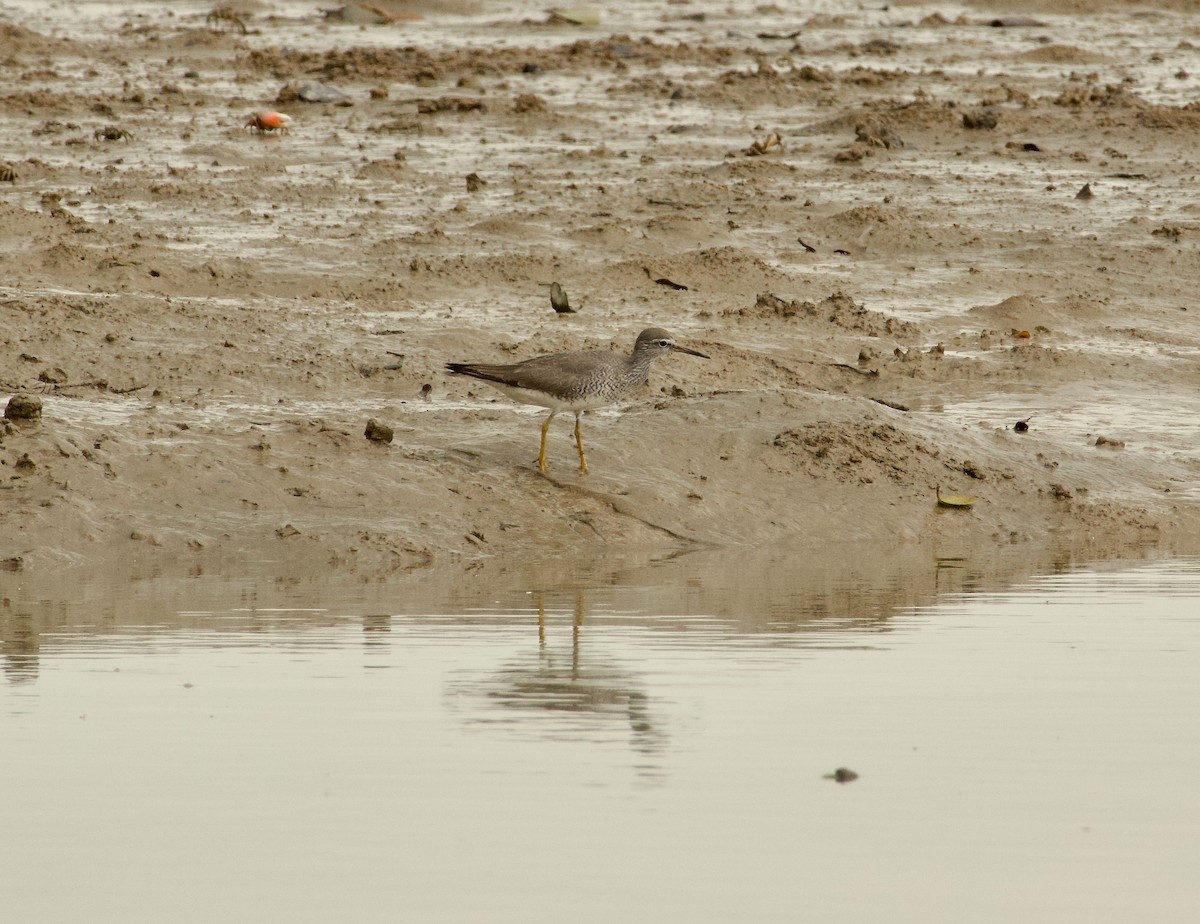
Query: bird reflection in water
{"x": 584, "y": 692}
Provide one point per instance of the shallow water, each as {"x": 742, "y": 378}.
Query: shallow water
{"x": 628, "y": 750}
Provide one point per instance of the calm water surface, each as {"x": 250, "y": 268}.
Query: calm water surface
{"x": 572, "y": 754}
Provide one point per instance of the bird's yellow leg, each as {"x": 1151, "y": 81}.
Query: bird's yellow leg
{"x": 542, "y": 453}
{"x": 579, "y": 443}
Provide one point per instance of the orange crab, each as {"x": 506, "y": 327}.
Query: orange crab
{"x": 267, "y": 121}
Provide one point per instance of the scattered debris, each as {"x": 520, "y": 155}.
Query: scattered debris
{"x": 809, "y": 248}
{"x": 99, "y": 385}
{"x": 771, "y": 143}
{"x": 663, "y": 281}
{"x": 558, "y": 299}
{"x": 377, "y": 432}
{"x": 952, "y": 500}
{"x": 529, "y": 102}
{"x": 779, "y": 36}
{"x": 981, "y": 119}
{"x": 23, "y": 407}
{"x": 877, "y": 133}
{"x": 971, "y": 470}
{"x": 316, "y": 92}
{"x": 370, "y": 14}
{"x": 1022, "y": 426}
{"x": 391, "y": 16}
{"x": 869, "y": 373}
{"x": 1013, "y": 22}
{"x": 450, "y": 104}
{"x": 879, "y": 46}
{"x": 576, "y": 17}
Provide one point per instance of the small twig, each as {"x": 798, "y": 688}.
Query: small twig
{"x": 873, "y": 373}
{"x": 101, "y": 384}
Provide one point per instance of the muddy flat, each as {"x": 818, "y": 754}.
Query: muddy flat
{"x": 926, "y": 248}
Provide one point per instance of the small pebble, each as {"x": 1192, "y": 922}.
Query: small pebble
{"x": 980, "y": 120}
{"x": 316, "y": 92}
{"x": 377, "y": 432}
{"x": 23, "y": 407}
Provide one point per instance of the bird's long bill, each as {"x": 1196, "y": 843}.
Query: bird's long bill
{"x": 682, "y": 349}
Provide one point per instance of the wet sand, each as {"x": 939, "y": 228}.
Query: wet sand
{"x": 210, "y": 316}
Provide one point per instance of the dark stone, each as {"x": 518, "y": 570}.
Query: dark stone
{"x": 377, "y": 432}
{"x": 23, "y": 407}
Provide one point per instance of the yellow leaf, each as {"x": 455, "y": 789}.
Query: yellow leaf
{"x": 951, "y": 500}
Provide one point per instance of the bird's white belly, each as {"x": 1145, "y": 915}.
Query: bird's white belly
{"x": 554, "y": 403}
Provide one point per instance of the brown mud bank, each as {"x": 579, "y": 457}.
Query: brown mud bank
{"x": 809, "y": 456}
{"x": 210, "y": 316}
